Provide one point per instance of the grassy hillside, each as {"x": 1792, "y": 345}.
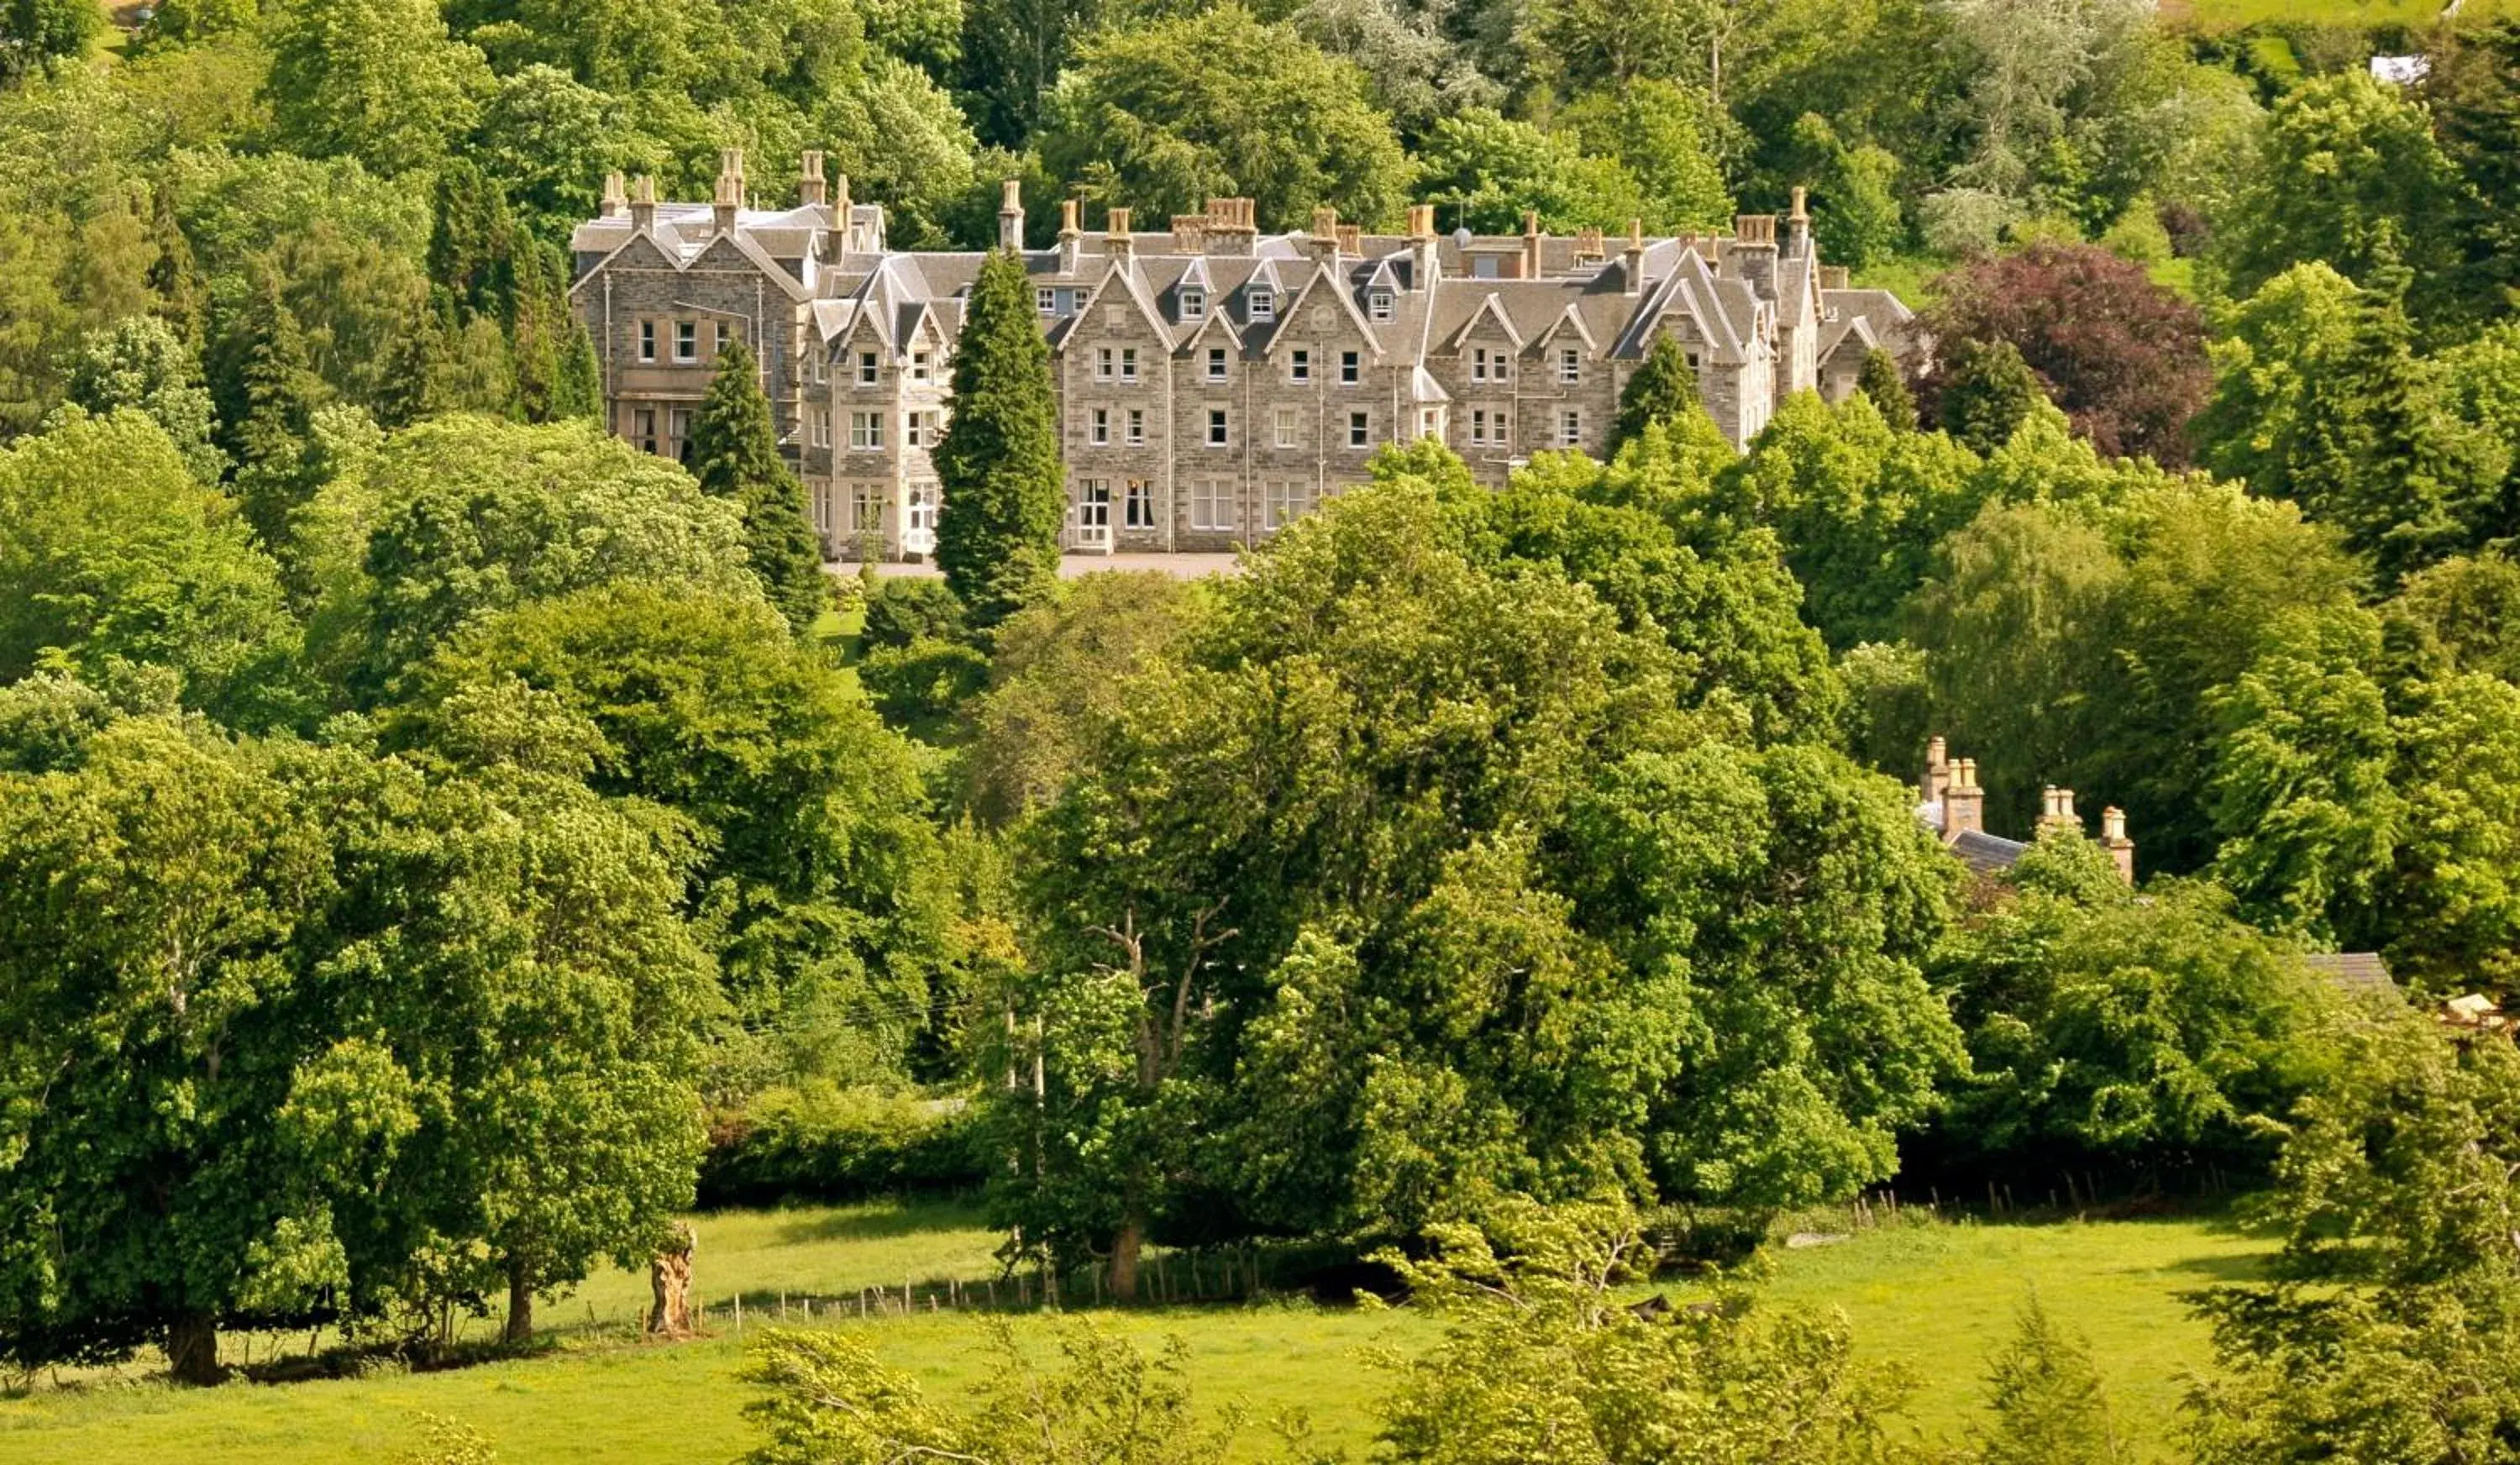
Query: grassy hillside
{"x": 1936, "y": 1298}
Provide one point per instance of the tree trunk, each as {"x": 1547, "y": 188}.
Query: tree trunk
{"x": 521, "y": 1302}
{"x": 193, "y": 1348}
{"x": 1125, "y": 1247}
{"x": 670, "y": 1277}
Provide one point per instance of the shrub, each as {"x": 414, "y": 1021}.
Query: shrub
{"x": 899, "y": 611}
{"x": 821, "y": 1142}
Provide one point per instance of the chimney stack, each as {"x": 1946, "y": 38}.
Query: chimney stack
{"x": 730, "y": 188}
{"x": 1233, "y": 224}
{"x": 1117, "y": 244}
{"x": 1754, "y": 252}
{"x": 1322, "y": 241}
{"x": 1072, "y": 238}
{"x": 1010, "y": 218}
{"x": 1424, "y": 264}
{"x": 2058, "y": 812}
{"x": 1834, "y": 277}
{"x": 1588, "y": 244}
{"x": 1631, "y": 260}
{"x": 1964, "y": 802}
{"x": 1798, "y": 223}
{"x": 1351, "y": 240}
{"x": 1938, "y": 768}
{"x": 1190, "y": 234}
{"x": 617, "y": 197}
{"x": 809, "y": 179}
{"x": 643, "y": 203}
{"x": 2113, "y": 836}
{"x": 1531, "y": 238}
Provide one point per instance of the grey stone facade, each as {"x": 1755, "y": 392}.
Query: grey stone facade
{"x": 1213, "y": 381}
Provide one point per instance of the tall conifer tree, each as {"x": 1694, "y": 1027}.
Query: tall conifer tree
{"x": 999, "y": 464}
{"x": 734, "y": 454}
{"x": 1664, "y": 389}
{"x": 1887, "y": 386}
{"x": 267, "y": 402}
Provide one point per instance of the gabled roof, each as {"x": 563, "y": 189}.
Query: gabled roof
{"x": 1488, "y": 308}
{"x": 1325, "y": 280}
{"x": 1986, "y": 853}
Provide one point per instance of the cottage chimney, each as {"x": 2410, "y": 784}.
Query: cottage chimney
{"x": 617, "y": 197}
{"x": 730, "y": 188}
{"x": 1118, "y": 245}
{"x": 1588, "y": 244}
{"x": 1322, "y": 241}
{"x": 1964, "y": 802}
{"x": 2113, "y": 836}
{"x": 1190, "y": 234}
{"x": 1072, "y": 238}
{"x": 841, "y": 202}
{"x": 1631, "y": 260}
{"x": 1798, "y": 224}
{"x": 1938, "y": 770}
{"x": 1531, "y": 241}
{"x": 1833, "y": 277}
{"x": 643, "y": 203}
{"x": 1233, "y": 226}
{"x": 2057, "y": 812}
{"x": 1010, "y": 218}
{"x": 1754, "y": 252}
{"x": 1351, "y": 241}
{"x": 1424, "y": 266}
{"x": 809, "y": 179}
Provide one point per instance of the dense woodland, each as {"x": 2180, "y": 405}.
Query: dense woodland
{"x": 438, "y": 842}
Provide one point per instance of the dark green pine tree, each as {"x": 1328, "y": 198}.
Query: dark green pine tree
{"x": 734, "y": 454}
{"x": 998, "y": 463}
{"x": 2375, "y": 463}
{"x": 173, "y": 277}
{"x": 1887, "y": 386}
{"x": 412, "y": 390}
{"x": 539, "y": 326}
{"x": 578, "y": 390}
{"x": 471, "y": 242}
{"x": 267, "y": 400}
{"x": 1664, "y": 389}
{"x": 1987, "y": 393}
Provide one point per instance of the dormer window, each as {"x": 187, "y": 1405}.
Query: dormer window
{"x": 1046, "y": 300}
{"x": 1377, "y": 304}
{"x": 1193, "y": 304}
{"x": 1264, "y": 304}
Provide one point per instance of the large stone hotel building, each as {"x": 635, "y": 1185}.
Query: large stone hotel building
{"x": 1214, "y": 381}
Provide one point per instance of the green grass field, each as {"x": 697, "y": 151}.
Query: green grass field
{"x": 1935, "y": 1298}
{"x": 2212, "y": 16}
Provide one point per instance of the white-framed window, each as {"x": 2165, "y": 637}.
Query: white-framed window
{"x": 822, "y": 425}
{"x": 1359, "y": 429}
{"x": 1193, "y": 304}
{"x": 643, "y": 428}
{"x": 1211, "y": 504}
{"x": 1287, "y": 428}
{"x": 870, "y": 369}
{"x": 1046, "y": 300}
{"x": 1299, "y": 366}
{"x": 866, "y": 431}
{"x": 1264, "y": 304}
{"x": 1137, "y": 427}
{"x": 923, "y": 499}
{"x": 687, "y": 340}
{"x": 678, "y": 433}
{"x": 1097, "y": 427}
{"x": 1479, "y": 426}
{"x": 918, "y": 429}
{"x": 1489, "y": 365}
{"x": 647, "y": 340}
{"x": 1286, "y": 500}
{"x": 822, "y": 509}
{"x": 1128, "y": 363}
{"x": 1217, "y": 435}
{"x": 922, "y": 369}
{"x": 1351, "y": 367}
{"x": 1377, "y": 304}
{"x": 1571, "y": 428}
{"x": 1138, "y": 506}
{"x": 820, "y": 368}
{"x": 1094, "y": 512}
{"x": 1103, "y": 356}
{"x": 1570, "y": 365}
{"x": 1216, "y": 363}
